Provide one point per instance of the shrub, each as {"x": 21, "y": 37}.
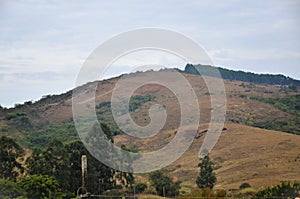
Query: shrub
{"x": 140, "y": 187}
{"x": 283, "y": 190}
{"x": 245, "y": 185}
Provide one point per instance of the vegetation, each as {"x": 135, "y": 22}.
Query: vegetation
{"x": 164, "y": 186}
{"x": 10, "y": 189}
{"x": 283, "y": 190}
{"x": 53, "y": 161}
{"x": 10, "y": 155}
{"x": 56, "y": 169}
{"x": 245, "y": 185}
{"x": 240, "y": 75}
{"x": 204, "y": 193}
{"x": 207, "y": 177}
{"x": 138, "y": 100}
{"x": 104, "y": 112}
{"x": 140, "y": 187}
{"x": 39, "y": 186}
{"x": 288, "y": 104}
{"x": 38, "y": 136}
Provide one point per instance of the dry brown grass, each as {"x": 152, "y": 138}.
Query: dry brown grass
{"x": 148, "y": 196}
{"x": 244, "y": 154}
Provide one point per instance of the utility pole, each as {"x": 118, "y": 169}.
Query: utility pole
{"x": 84, "y": 173}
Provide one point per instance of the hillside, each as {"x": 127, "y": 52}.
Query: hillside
{"x": 243, "y": 153}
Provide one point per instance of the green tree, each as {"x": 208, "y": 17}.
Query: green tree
{"x": 163, "y": 185}
{"x": 39, "y": 186}
{"x": 10, "y": 189}
{"x": 10, "y": 154}
{"x": 207, "y": 177}
{"x": 53, "y": 161}
{"x": 140, "y": 187}
{"x": 107, "y": 176}
{"x": 100, "y": 177}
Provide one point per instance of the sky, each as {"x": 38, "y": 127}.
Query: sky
{"x": 43, "y": 44}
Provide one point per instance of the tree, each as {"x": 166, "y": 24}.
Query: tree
{"x": 140, "y": 187}
{"x": 10, "y": 154}
{"x": 100, "y": 177}
{"x": 107, "y": 176}
{"x": 163, "y": 184}
{"x": 10, "y": 189}
{"x": 207, "y": 177}
{"x": 39, "y": 186}
{"x": 53, "y": 161}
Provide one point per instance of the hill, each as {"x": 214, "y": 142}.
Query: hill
{"x": 244, "y": 154}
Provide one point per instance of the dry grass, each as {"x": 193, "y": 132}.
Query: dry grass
{"x": 243, "y": 154}
{"x": 148, "y": 196}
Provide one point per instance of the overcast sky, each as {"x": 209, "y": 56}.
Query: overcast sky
{"x": 43, "y": 44}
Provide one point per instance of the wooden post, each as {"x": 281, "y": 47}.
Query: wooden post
{"x": 84, "y": 173}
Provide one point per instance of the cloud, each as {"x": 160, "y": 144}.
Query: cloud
{"x": 41, "y": 42}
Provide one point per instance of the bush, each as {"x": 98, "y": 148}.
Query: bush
{"x": 284, "y": 190}
{"x": 39, "y": 186}
{"x": 140, "y": 187}
{"x": 204, "y": 193}
{"x": 163, "y": 184}
{"x": 245, "y": 185}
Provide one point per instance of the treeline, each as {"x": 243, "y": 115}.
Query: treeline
{"x": 207, "y": 70}
{"x": 55, "y": 171}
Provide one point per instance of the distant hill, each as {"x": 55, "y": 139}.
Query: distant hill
{"x": 241, "y": 75}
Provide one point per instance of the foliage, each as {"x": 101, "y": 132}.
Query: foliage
{"x": 138, "y": 100}
{"x": 283, "y": 190}
{"x": 15, "y": 115}
{"x": 10, "y": 153}
{"x": 10, "y": 189}
{"x": 288, "y": 104}
{"x": 104, "y": 112}
{"x": 140, "y": 187}
{"x": 19, "y": 120}
{"x": 39, "y": 186}
{"x": 40, "y": 136}
{"x": 63, "y": 162}
{"x": 245, "y": 185}
{"x": 204, "y": 193}
{"x": 240, "y": 75}
{"x": 163, "y": 184}
{"x": 207, "y": 177}
{"x": 100, "y": 177}
{"x": 53, "y": 161}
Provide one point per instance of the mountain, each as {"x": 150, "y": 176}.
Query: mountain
{"x": 246, "y": 151}
{"x": 241, "y": 75}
